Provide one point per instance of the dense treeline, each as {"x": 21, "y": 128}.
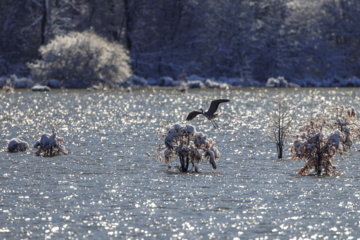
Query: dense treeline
{"x": 249, "y": 39}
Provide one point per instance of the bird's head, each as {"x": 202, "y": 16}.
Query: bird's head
{"x": 201, "y": 110}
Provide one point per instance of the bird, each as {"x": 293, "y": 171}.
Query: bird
{"x": 209, "y": 114}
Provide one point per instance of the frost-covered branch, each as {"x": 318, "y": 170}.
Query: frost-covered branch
{"x": 190, "y": 146}
{"x": 323, "y": 139}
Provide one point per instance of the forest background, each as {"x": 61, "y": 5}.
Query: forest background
{"x": 311, "y": 43}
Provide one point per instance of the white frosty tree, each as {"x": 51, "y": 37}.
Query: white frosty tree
{"x": 82, "y": 59}
{"x": 190, "y": 146}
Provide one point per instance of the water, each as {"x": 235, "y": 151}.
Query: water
{"x": 109, "y": 188}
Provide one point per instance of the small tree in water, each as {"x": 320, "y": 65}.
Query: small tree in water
{"x": 184, "y": 142}
{"x": 280, "y": 123}
{"x": 323, "y": 139}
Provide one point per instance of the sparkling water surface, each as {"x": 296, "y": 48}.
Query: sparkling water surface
{"x": 108, "y": 187}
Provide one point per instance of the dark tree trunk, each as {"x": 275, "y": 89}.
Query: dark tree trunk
{"x": 319, "y": 159}
{"x": 91, "y": 14}
{"x": 184, "y": 163}
{"x": 128, "y": 24}
{"x": 44, "y": 22}
{"x": 280, "y": 143}
{"x": 280, "y": 150}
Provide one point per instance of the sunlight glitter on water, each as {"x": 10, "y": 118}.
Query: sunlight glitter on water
{"x": 108, "y": 187}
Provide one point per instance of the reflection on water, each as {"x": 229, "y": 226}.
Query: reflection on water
{"x": 109, "y": 188}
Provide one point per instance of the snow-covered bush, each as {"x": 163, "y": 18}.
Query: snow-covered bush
{"x": 190, "y": 146}
{"x": 323, "y": 139}
{"x": 137, "y": 81}
{"x": 50, "y": 145}
{"x": 279, "y": 82}
{"x": 194, "y": 77}
{"x": 16, "y": 145}
{"x": 167, "y": 82}
{"x": 40, "y": 88}
{"x": 213, "y": 84}
{"x": 80, "y": 60}
{"x": 21, "y": 82}
{"x": 195, "y": 84}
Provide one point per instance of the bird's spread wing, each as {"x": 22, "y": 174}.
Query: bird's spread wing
{"x": 215, "y": 104}
{"x": 192, "y": 115}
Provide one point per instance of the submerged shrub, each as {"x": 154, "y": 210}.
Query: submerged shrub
{"x": 323, "y": 139}
{"x": 185, "y": 142}
{"x": 82, "y": 59}
{"x": 50, "y": 145}
{"x": 16, "y": 145}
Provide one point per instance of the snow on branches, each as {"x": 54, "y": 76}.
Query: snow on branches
{"x": 323, "y": 139}
{"x": 190, "y": 146}
{"x": 50, "y": 145}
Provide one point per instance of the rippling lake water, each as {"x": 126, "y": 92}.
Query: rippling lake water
{"x": 108, "y": 187}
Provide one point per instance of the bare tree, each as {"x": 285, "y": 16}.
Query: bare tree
{"x": 280, "y": 124}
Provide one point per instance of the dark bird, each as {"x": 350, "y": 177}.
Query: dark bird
{"x": 209, "y": 114}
